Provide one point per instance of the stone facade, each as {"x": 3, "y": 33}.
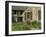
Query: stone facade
{"x": 27, "y": 14}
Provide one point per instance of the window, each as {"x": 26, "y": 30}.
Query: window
{"x": 18, "y": 13}
{"x": 28, "y": 15}
{"x": 31, "y": 15}
{"x": 19, "y": 19}
{"x": 21, "y": 12}
{"x": 13, "y": 11}
{"x": 39, "y": 14}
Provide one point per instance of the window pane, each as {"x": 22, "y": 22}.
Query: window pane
{"x": 39, "y": 14}
{"x": 19, "y": 19}
{"x": 21, "y": 12}
{"x": 31, "y": 15}
{"x": 13, "y": 11}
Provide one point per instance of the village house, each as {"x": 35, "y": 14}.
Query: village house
{"x": 26, "y": 13}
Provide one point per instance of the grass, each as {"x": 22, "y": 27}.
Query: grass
{"x": 20, "y": 26}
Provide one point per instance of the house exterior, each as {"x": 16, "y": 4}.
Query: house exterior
{"x": 24, "y": 13}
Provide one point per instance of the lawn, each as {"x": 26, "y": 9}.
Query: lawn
{"x": 20, "y": 26}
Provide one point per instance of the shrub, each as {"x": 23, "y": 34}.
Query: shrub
{"x": 28, "y": 22}
{"x": 36, "y": 25}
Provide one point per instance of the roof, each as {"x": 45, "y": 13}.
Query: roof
{"x": 19, "y": 7}
{"x": 23, "y": 7}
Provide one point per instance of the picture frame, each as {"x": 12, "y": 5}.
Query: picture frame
{"x": 11, "y": 6}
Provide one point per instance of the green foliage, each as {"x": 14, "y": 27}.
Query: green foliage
{"x": 25, "y": 26}
{"x": 36, "y": 24}
{"x": 28, "y": 22}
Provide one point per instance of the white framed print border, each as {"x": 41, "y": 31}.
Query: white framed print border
{"x": 27, "y": 14}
